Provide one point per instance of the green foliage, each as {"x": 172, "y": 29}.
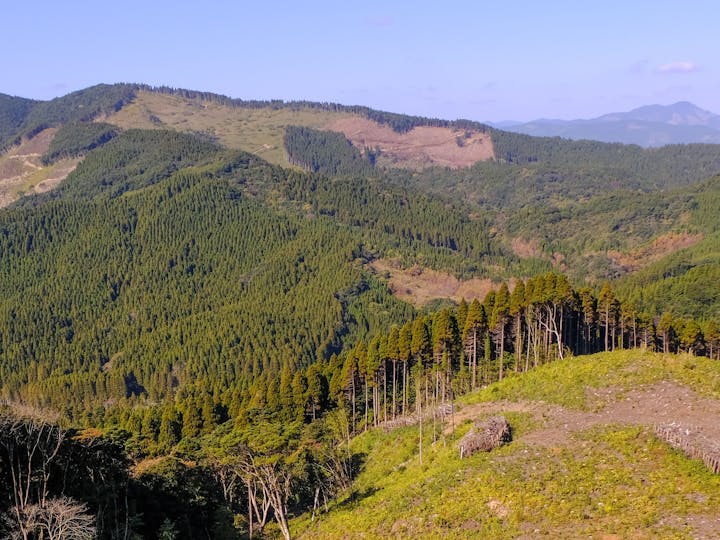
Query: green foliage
{"x": 683, "y": 282}
{"x": 81, "y": 106}
{"x": 325, "y": 152}
{"x": 666, "y": 166}
{"x": 585, "y": 213}
{"x": 399, "y": 222}
{"x": 185, "y": 284}
{"x": 134, "y": 160}
{"x": 78, "y": 138}
{"x": 214, "y": 308}
{"x": 13, "y": 112}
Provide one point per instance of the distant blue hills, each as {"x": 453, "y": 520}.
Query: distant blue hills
{"x": 649, "y": 126}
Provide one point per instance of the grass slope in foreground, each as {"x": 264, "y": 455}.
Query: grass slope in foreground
{"x": 583, "y": 462}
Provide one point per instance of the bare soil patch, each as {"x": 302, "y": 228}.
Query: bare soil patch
{"x": 660, "y": 247}
{"x": 57, "y": 174}
{"x": 36, "y": 146}
{"x": 703, "y": 526}
{"x": 525, "y": 249}
{"x": 422, "y": 146}
{"x": 261, "y": 131}
{"x": 22, "y": 171}
{"x": 420, "y": 285}
{"x": 662, "y": 403}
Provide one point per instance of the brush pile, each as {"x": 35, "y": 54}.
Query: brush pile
{"x": 485, "y": 436}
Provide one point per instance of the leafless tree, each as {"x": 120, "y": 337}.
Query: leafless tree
{"x": 61, "y": 518}
{"x": 64, "y": 518}
{"x": 269, "y": 483}
{"x": 20, "y": 524}
{"x": 29, "y": 447}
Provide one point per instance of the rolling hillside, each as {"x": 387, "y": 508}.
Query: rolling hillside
{"x": 584, "y": 460}
{"x": 260, "y": 130}
{"x": 222, "y": 293}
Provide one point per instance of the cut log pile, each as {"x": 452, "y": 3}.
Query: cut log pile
{"x": 690, "y": 442}
{"x": 485, "y": 436}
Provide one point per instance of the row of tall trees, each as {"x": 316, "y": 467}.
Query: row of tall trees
{"x": 435, "y": 357}
{"x": 431, "y": 359}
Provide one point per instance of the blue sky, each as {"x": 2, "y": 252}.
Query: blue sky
{"x": 482, "y": 60}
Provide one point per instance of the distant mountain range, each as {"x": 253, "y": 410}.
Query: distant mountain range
{"x": 652, "y": 125}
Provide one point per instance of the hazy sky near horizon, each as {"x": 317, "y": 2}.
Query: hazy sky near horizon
{"x": 479, "y": 60}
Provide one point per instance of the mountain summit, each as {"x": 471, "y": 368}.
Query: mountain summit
{"x": 682, "y": 113}
{"x": 651, "y": 125}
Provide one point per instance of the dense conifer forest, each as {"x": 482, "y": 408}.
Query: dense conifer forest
{"x": 190, "y": 336}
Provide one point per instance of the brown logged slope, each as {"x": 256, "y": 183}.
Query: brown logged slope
{"x": 420, "y": 285}
{"x": 654, "y": 251}
{"x": 260, "y": 131}
{"x": 422, "y": 146}
{"x": 22, "y": 171}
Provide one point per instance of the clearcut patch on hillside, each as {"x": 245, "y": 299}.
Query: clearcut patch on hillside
{"x": 420, "y": 285}
{"x": 258, "y": 131}
{"x": 661, "y": 247}
{"x": 665, "y": 402}
{"x": 422, "y": 146}
{"x": 526, "y": 249}
{"x": 261, "y": 130}
{"x": 22, "y": 171}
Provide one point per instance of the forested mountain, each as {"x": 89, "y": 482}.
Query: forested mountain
{"x": 211, "y": 324}
{"x": 13, "y": 112}
{"x": 25, "y": 118}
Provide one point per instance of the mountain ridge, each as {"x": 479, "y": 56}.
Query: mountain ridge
{"x": 214, "y": 317}
{"x": 648, "y": 126}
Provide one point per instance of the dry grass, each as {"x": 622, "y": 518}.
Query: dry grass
{"x": 661, "y": 247}
{"x": 420, "y": 285}
{"x": 260, "y": 131}
{"x": 420, "y": 147}
{"x": 22, "y": 172}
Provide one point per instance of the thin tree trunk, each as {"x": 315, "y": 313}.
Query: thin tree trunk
{"x": 250, "y": 513}
{"x": 367, "y": 407}
{"x": 518, "y": 342}
{"x": 502, "y": 350}
{"x": 354, "y": 423}
{"x": 474, "y": 360}
{"x": 405, "y": 392}
{"x": 394, "y": 389}
{"x": 384, "y": 392}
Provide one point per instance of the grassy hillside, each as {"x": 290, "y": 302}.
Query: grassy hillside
{"x": 583, "y": 462}
{"x": 259, "y": 131}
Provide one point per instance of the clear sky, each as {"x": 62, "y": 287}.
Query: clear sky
{"x": 482, "y": 60}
